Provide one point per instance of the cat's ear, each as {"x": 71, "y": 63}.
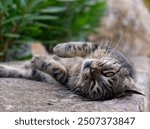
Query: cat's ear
{"x": 129, "y": 91}
{"x": 133, "y": 90}
{"x": 129, "y": 88}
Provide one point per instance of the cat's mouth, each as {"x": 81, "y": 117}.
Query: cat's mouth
{"x": 91, "y": 72}
{"x": 91, "y": 69}
{"x": 94, "y": 72}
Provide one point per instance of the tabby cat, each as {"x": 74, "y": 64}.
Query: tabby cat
{"x": 95, "y": 71}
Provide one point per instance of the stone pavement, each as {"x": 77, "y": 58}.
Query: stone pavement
{"x": 26, "y": 95}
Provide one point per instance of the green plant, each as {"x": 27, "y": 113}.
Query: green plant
{"x": 147, "y": 3}
{"x": 48, "y": 21}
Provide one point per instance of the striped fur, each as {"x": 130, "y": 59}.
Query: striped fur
{"x": 94, "y": 71}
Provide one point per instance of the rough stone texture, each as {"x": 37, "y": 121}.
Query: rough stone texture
{"x": 147, "y": 98}
{"x": 129, "y": 18}
{"x": 26, "y": 95}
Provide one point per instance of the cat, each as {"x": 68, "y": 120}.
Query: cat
{"x": 95, "y": 71}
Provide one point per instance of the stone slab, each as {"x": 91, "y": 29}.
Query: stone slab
{"x": 21, "y": 95}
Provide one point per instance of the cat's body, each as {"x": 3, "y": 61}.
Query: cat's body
{"x": 94, "y": 71}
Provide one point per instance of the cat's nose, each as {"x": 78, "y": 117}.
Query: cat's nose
{"x": 87, "y": 64}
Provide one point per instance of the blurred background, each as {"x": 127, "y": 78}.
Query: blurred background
{"x": 27, "y": 26}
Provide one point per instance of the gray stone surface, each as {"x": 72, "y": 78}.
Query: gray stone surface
{"x": 26, "y": 95}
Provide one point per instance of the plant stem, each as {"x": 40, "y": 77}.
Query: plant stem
{"x": 1, "y": 18}
{"x": 10, "y": 41}
{"x": 1, "y": 36}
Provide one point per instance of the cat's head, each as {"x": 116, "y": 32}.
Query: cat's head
{"x": 107, "y": 78}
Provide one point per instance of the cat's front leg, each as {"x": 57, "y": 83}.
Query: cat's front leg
{"x": 23, "y": 72}
{"x": 10, "y": 71}
{"x": 51, "y": 67}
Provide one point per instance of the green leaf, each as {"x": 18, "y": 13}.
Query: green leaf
{"x": 23, "y": 3}
{"x": 6, "y": 3}
{"x": 1, "y": 54}
{"x": 53, "y": 9}
{"x": 44, "y": 17}
{"x": 10, "y": 35}
{"x": 91, "y": 3}
{"x": 42, "y": 25}
{"x": 1, "y": 6}
{"x": 12, "y": 19}
{"x": 34, "y": 3}
{"x": 66, "y": 0}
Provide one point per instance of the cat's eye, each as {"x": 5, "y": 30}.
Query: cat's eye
{"x": 108, "y": 74}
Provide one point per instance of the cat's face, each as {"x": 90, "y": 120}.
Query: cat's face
{"x": 104, "y": 78}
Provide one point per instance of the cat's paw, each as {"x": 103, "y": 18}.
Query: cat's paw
{"x": 37, "y": 61}
{"x": 3, "y": 71}
{"x": 40, "y": 62}
{"x": 58, "y": 50}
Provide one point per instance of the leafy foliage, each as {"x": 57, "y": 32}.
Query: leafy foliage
{"x": 147, "y": 2}
{"x": 48, "y": 21}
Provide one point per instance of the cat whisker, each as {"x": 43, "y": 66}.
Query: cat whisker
{"x": 121, "y": 36}
{"x": 108, "y": 46}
